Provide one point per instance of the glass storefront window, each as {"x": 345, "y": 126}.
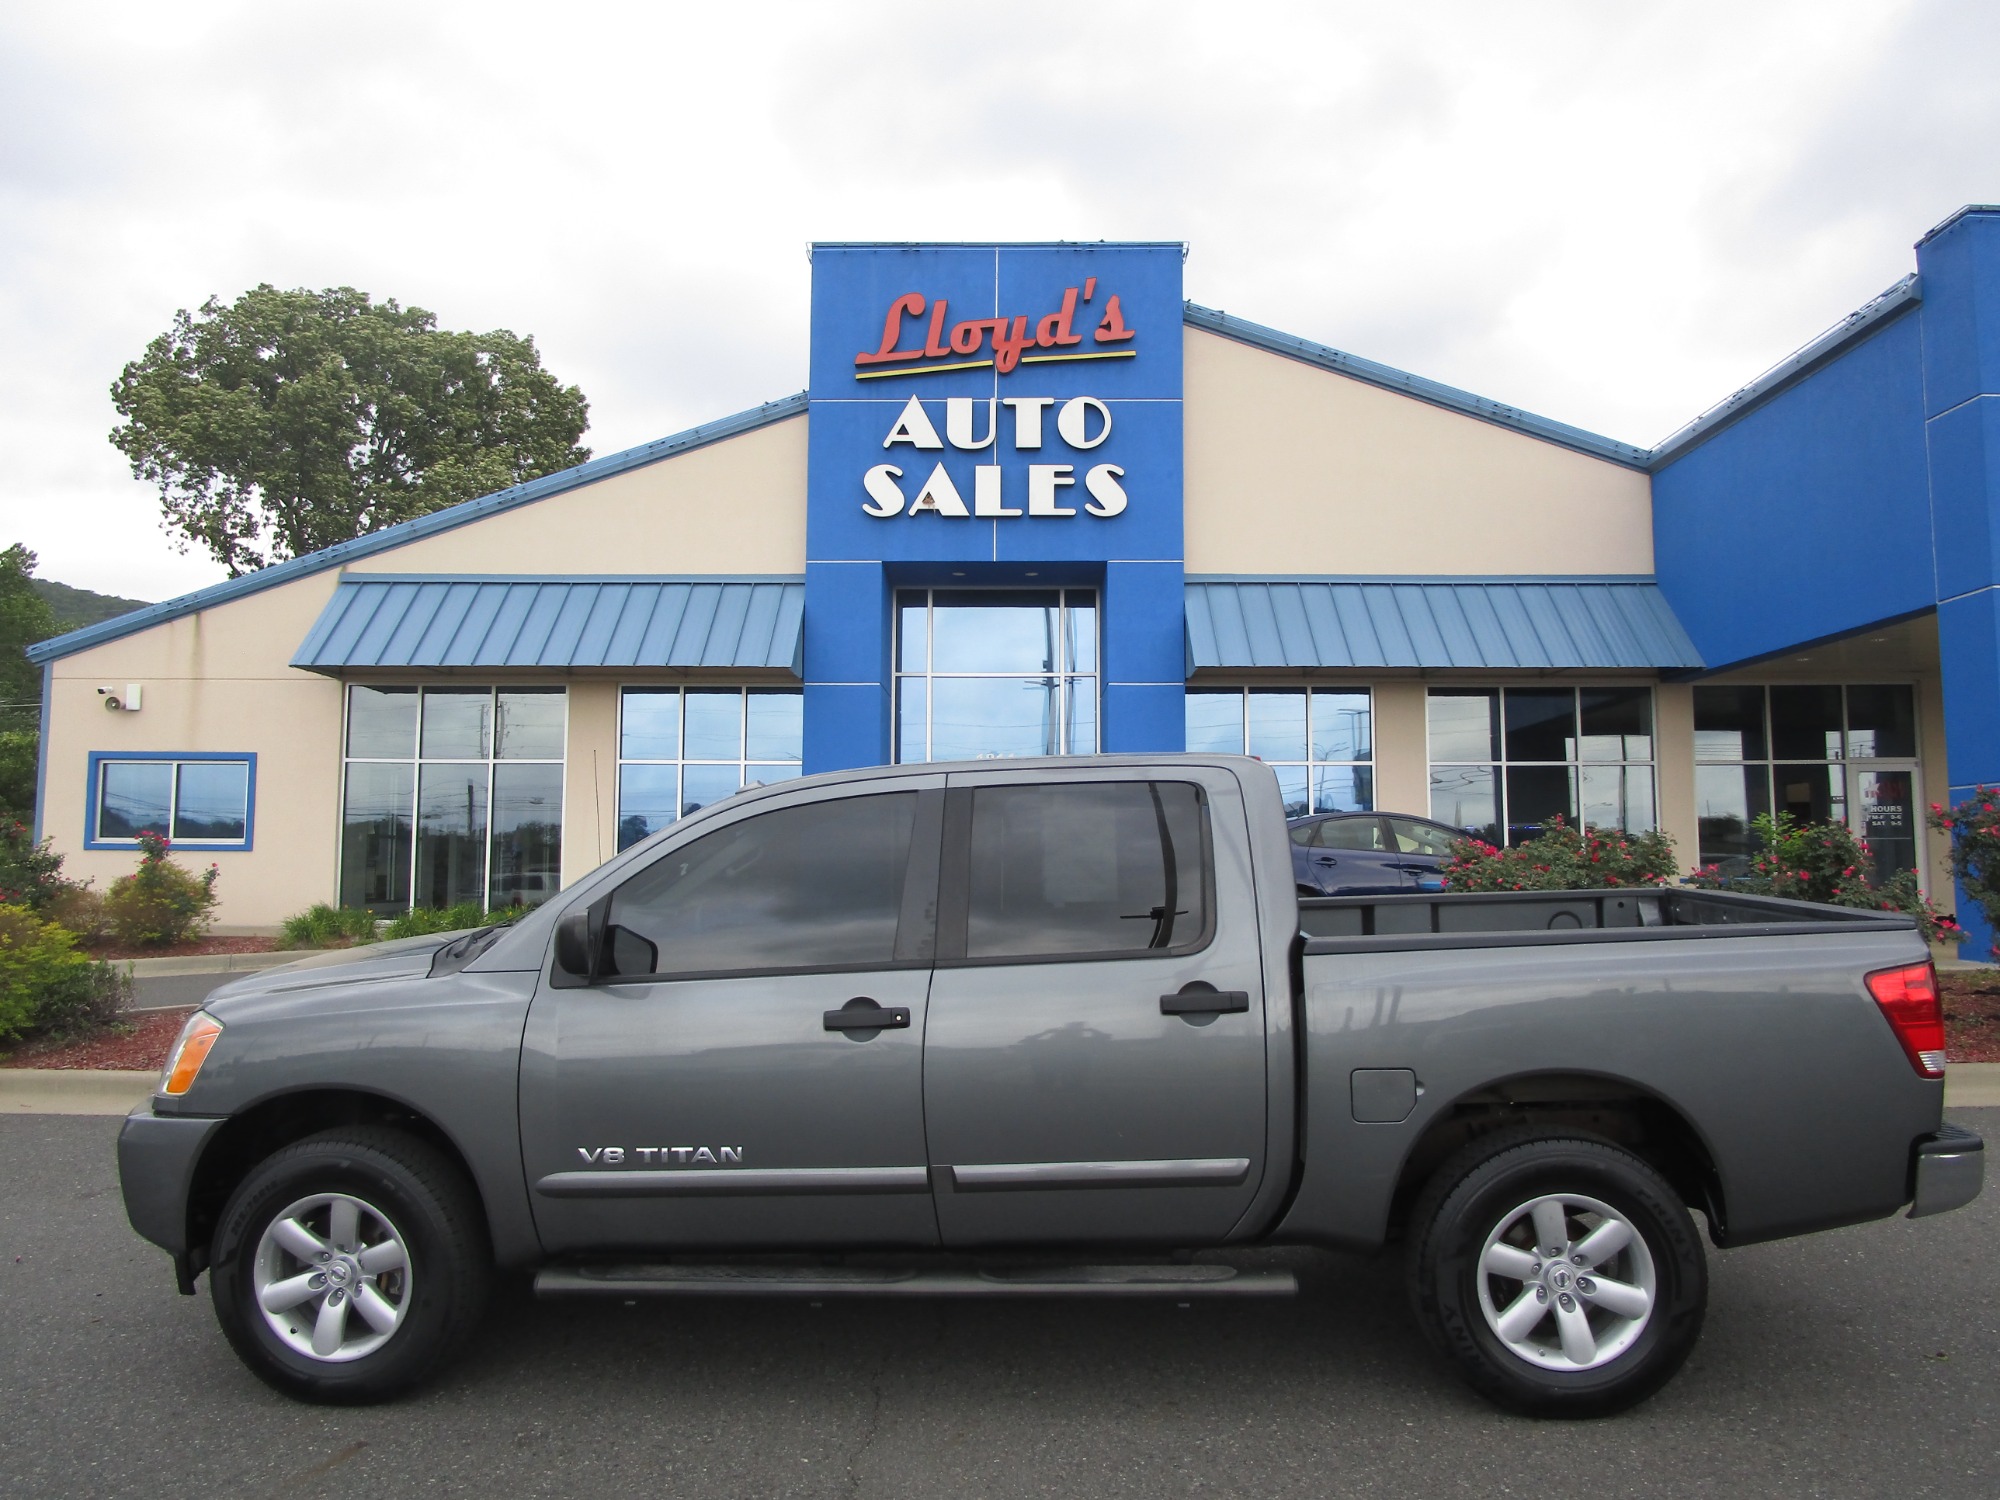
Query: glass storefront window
{"x": 452, "y": 795}
{"x": 680, "y": 749}
{"x": 985, "y": 674}
{"x": 1800, "y": 749}
{"x": 1505, "y": 761}
{"x": 1320, "y": 741}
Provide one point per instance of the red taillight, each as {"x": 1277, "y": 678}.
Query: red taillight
{"x": 1909, "y": 998}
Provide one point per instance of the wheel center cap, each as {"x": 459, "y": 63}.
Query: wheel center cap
{"x": 1560, "y": 1277}
{"x": 338, "y": 1273}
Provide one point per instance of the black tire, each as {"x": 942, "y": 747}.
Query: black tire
{"x": 1483, "y": 1188}
{"x": 437, "y": 1217}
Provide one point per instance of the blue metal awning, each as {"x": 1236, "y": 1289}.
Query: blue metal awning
{"x": 1433, "y": 622}
{"x": 381, "y": 620}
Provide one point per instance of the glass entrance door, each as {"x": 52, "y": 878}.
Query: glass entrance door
{"x": 1887, "y": 818}
{"x": 991, "y": 674}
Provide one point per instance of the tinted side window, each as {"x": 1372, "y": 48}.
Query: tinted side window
{"x": 799, "y": 887}
{"x": 1350, "y": 833}
{"x": 1420, "y": 838}
{"x": 1095, "y": 868}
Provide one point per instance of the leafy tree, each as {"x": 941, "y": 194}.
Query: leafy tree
{"x": 24, "y": 619}
{"x": 287, "y": 421}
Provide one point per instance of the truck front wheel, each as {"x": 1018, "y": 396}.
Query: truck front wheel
{"x": 1562, "y": 1276}
{"x": 350, "y": 1265}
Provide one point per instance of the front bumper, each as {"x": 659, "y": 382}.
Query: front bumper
{"x": 1950, "y": 1170}
{"x": 157, "y": 1156}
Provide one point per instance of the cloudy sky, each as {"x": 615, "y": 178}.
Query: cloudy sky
{"x": 1610, "y": 214}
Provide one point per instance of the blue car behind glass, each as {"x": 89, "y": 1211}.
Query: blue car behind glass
{"x": 1369, "y": 854}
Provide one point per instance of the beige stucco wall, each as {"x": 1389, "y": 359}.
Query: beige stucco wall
{"x": 221, "y": 679}
{"x": 1673, "y": 768}
{"x": 1294, "y": 469}
{"x": 1402, "y": 757}
{"x": 737, "y": 506}
{"x": 217, "y": 680}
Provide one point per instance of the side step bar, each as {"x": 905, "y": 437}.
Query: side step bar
{"x": 1168, "y": 1282}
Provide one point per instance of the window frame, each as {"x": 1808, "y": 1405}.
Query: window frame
{"x": 680, "y": 762}
{"x": 417, "y": 760}
{"x": 954, "y": 904}
{"x": 94, "y": 793}
{"x": 1312, "y": 766}
{"x": 1064, "y": 674}
{"x": 1500, "y": 764}
{"x": 1852, "y": 767}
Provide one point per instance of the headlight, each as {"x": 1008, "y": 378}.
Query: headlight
{"x": 189, "y": 1053}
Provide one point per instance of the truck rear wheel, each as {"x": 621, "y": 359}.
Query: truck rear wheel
{"x": 1562, "y": 1276}
{"x": 350, "y": 1265}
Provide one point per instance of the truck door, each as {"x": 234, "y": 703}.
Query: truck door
{"x": 752, "y": 1072}
{"x": 1094, "y": 1063}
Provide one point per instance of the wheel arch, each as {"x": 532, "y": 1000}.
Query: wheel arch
{"x": 277, "y": 1121}
{"x": 1610, "y": 1108}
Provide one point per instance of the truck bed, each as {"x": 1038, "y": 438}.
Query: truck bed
{"x": 1476, "y": 919}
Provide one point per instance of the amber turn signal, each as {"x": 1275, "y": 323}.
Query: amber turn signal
{"x": 189, "y": 1053}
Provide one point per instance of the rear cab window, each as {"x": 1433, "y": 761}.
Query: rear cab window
{"x": 1078, "y": 870}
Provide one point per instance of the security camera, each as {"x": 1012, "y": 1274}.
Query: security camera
{"x": 117, "y": 700}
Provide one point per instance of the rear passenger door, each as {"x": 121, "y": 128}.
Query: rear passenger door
{"x": 1094, "y": 1065}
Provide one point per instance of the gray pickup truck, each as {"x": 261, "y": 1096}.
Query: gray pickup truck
{"x": 1042, "y": 1029}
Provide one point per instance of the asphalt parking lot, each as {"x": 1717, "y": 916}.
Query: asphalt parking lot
{"x": 1861, "y": 1362}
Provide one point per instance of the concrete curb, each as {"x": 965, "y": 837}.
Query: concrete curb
{"x": 207, "y": 963}
{"x": 72, "y": 1091}
{"x": 59, "y": 1091}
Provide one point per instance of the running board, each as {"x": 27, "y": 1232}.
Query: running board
{"x": 1172, "y": 1283}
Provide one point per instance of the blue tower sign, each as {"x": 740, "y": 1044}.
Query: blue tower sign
{"x": 1002, "y": 418}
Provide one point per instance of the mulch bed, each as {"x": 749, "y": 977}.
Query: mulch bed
{"x": 202, "y": 946}
{"x": 1971, "y": 1014}
{"x": 141, "y": 1050}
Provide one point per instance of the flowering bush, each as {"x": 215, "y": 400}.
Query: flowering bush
{"x": 30, "y": 872}
{"x": 1974, "y": 826}
{"x": 47, "y": 986}
{"x": 1825, "y": 862}
{"x": 1563, "y": 858}
{"x": 160, "y": 903}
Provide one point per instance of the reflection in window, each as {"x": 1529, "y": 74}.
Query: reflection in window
{"x": 680, "y": 749}
{"x": 1096, "y": 868}
{"x": 992, "y": 674}
{"x": 743, "y": 898}
{"x": 451, "y": 795}
{"x": 1320, "y": 741}
{"x": 1786, "y": 748}
{"x": 199, "y": 802}
{"x": 1505, "y": 761}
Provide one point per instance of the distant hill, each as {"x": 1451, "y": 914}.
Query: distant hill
{"x": 76, "y": 608}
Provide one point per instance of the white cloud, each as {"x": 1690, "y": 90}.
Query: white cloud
{"x": 1610, "y": 215}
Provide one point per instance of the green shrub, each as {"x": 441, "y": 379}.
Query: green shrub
{"x": 324, "y": 926}
{"x": 30, "y": 872}
{"x": 421, "y": 921}
{"x": 1826, "y": 863}
{"x": 1563, "y": 858}
{"x": 46, "y": 985}
{"x": 79, "y": 911}
{"x": 160, "y": 903}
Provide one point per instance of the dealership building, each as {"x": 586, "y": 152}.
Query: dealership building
{"x": 1033, "y": 502}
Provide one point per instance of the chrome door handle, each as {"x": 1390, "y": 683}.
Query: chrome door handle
{"x": 863, "y": 1014}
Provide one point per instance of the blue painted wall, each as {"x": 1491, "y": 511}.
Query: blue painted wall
{"x": 1960, "y": 267}
{"x": 1868, "y": 490}
{"x": 856, "y": 560}
{"x": 1810, "y": 515}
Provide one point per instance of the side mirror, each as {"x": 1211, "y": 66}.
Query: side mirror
{"x": 580, "y": 942}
